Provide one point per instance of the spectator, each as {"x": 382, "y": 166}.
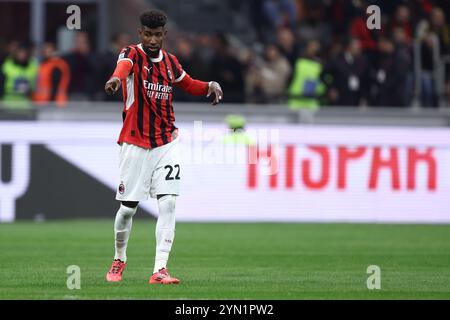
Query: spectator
{"x": 280, "y": 13}
{"x": 367, "y": 38}
{"x": 82, "y": 68}
{"x": 402, "y": 20}
{"x": 253, "y": 83}
{"x": 405, "y": 52}
{"x": 435, "y": 35}
{"x": 190, "y": 59}
{"x": 227, "y": 70}
{"x": 274, "y": 74}
{"x": 440, "y": 28}
{"x": 340, "y": 14}
{"x": 205, "y": 51}
{"x": 257, "y": 18}
{"x": 53, "y": 78}
{"x": 389, "y": 78}
{"x": 107, "y": 63}
{"x": 288, "y": 45}
{"x": 191, "y": 62}
{"x": 427, "y": 82}
{"x": 7, "y": 50}
{"x": 315, "y": 26}
{"x": 346, "y": 76}
{"x": 306, "y": 88}
{"x": 17, "y": 77}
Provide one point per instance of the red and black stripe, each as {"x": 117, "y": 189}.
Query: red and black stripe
{"x": 127, "y": 52}
{"x": 169, "y": 107}
{"x": 151, "y": 114}
{"x": 159, "y": 103}
{"x": 175, "y": 69}
{"x": 140, "y": 97}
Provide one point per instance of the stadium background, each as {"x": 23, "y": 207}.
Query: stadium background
{"x": 369, "y": 143}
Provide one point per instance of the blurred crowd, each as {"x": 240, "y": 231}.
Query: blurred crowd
{"x": 78, "y": 75}
{"x": 304, "y": 54}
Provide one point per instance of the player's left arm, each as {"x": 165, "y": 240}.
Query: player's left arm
{"x": 200, "y": 88}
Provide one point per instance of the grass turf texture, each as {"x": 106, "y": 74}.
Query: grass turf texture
{"x": 229, "y": 261}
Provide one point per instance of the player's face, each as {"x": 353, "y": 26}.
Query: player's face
{"x": 152, "y": 39}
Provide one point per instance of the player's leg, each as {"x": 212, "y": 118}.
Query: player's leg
{"x": 165, "y": 234}
{"x": 165, "y": 230}
{"x": 165, "y": 187}
{"x": 122, "y": 228}
{"x": 131, "y": 190}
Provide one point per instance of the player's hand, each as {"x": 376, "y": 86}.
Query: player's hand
{"x": 215, "y": 88}
{"x": 112, "y": 85}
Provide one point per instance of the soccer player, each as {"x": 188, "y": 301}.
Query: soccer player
{"x": 149, "y": 160}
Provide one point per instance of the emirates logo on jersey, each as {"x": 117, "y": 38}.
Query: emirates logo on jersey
{"x": 121, "y": 188}
{"x": 157, "y": 87}
{"x": 157, "y": 90}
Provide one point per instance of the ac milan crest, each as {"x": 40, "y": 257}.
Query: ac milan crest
{"x": 121, "y": 188}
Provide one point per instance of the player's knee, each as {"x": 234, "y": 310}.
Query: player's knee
{"x": 130, "y": 204}
{"x": 167, "y": 203}
{"x": 127, "y": 212}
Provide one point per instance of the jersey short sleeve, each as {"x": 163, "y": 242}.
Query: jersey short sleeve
{"x": 127, "y": 53}
{"x": 178, "y": 71}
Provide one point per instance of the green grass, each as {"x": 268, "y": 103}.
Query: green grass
{"x": 229, "y": 261}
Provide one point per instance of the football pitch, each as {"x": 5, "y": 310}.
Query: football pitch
{"x": 228, "y": 261}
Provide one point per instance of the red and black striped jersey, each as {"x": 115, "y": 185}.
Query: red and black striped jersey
{"x": 148, "y": 117}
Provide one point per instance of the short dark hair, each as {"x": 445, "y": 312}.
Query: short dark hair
{"x": 153, "y": 19}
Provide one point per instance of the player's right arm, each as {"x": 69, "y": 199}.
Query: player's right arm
{"x": 123, "y": 69}
{"x": 112, "y": 85}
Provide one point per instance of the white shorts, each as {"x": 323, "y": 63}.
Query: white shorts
{"x": 145, "y": 172}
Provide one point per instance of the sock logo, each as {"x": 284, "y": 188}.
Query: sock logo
{"x": 121, "y": 188}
